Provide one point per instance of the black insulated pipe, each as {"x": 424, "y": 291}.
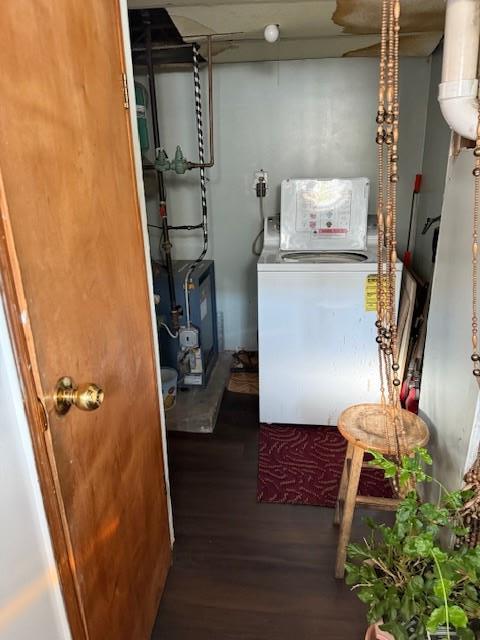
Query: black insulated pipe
{"x": 166, "y": 244}
{"x": 202, "y": 164}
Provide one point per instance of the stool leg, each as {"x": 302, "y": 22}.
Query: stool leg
{"x": 348, "y": 510}
{"x": 342, "y": 491}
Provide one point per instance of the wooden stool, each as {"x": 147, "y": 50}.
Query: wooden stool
{"x": 363, "y": 426}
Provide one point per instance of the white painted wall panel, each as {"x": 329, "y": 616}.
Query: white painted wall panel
{"x": 31, "y": 604}
{"x": 449, "y": 391}
{"x": 435, "y": 160}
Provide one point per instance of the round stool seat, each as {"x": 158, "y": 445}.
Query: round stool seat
{"x": 364, "y": 426}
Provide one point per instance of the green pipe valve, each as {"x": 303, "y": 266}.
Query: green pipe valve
{"x": 162, "y": 163}
{"x": 180, "y": 164}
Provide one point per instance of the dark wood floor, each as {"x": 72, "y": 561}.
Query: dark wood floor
{"x": 244, "y": 570}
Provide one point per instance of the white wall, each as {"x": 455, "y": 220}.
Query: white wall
{"x": 31, "y": 604}
{"x": 435, "y": 159}
{"x": 310, "y": 118}
{"x": 449, "y": 393}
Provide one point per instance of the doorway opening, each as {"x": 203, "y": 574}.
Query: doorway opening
{"x": 285, "y": 121}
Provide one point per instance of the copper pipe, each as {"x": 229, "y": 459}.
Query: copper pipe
{"x": 204, "y": 36}
{"x": 211, "y": 162}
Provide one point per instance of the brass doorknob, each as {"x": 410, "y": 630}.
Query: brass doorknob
{"x": 86, "y": 397}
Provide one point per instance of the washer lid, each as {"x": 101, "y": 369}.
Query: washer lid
{"x": 323, "y": 257}
{"x": 324, "y": 215}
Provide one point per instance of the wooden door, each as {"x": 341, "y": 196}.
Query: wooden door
{"x": 70, "y": 198}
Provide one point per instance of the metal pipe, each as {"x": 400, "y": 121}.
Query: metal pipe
{"x": 186, "y": 227}
{"x": 211, "y": 162}
{"x": 194, "y": 165}
{"x": 205, "y": 36}
{"x": 166, "y": 244}
{"x": 203, "y": 184}
{"x": 162, "y": 47}
{"x": 458, "y": 91}
{"x": 151, "y": 76}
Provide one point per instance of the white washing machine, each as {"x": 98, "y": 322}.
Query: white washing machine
{"x": 317, "y": 304}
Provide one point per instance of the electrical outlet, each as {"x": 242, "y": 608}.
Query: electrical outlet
{"x": 260, "y": 183}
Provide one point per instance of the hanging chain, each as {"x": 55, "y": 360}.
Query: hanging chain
{"x": 380, "y": 200}
{"x": 476, "y": 206}
{"x": 387, "y": 154}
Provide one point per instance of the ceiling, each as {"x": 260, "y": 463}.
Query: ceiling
{"x": 308, "y": 28}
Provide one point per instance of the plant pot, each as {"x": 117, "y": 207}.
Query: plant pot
{"x": 375, "y": 633}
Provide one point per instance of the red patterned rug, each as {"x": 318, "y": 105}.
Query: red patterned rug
{"x": 303, "y": 465}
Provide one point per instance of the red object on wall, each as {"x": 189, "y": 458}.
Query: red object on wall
{"x": 418, "y": 183}
{"x": 411, "y": 403}
{"x": 407, "y": 256}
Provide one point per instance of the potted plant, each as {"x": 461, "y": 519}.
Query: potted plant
{"x": 415, "y": 586}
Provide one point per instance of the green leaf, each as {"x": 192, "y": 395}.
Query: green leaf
{"x": 397, "y": 631}
{"x": 379, "y": 589}
{"x": 402, "y": 530}
{"x": 415, "y": 585}
{"x": 471, "y": 591}
{"x": 434, "y": 514}
{"x": 440, "y": 555}
{"x": 389, "y": 535}
{"x": 357, "y": 551}
{"x": 376, "y": 612}
{"x": 366, "y": 595}
{"x": 389, "y": 467}
{"x": 404, "y": 477}
{"x": 353, "y": 574}
{"x": 407, "y": 608}
{"x": 454, "y": 500}
{"x": 440, "y": 585}
{"x": 457, "y": 617}
{"x": 421, "y": 632}
{"x": 370, "y": 522}
{"x": 432, "y": 530}
{"x": 407, "y": 509}
{"x": 437, "y": 617}
{"x": 465, "y": 634}
{"x": 419, "y": 546}
{"x": 390, "y": 470}
{"x": 424, "y": 455}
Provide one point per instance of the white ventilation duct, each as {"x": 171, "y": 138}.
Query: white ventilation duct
{"x": 458, "y": 91}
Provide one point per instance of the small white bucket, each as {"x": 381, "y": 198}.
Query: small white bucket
{"x": 169, "y": 387}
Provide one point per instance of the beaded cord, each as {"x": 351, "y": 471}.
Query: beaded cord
{"x": 476, "y": 204}
{"x": 387, "y": 120}
{"x": 471, "y": 510}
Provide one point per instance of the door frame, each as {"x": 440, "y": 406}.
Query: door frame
{"x": 142, "y": 206}
{"x": 16, "y": 310}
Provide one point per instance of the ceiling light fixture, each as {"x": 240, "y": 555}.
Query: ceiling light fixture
{"x": 271, "y": 33}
